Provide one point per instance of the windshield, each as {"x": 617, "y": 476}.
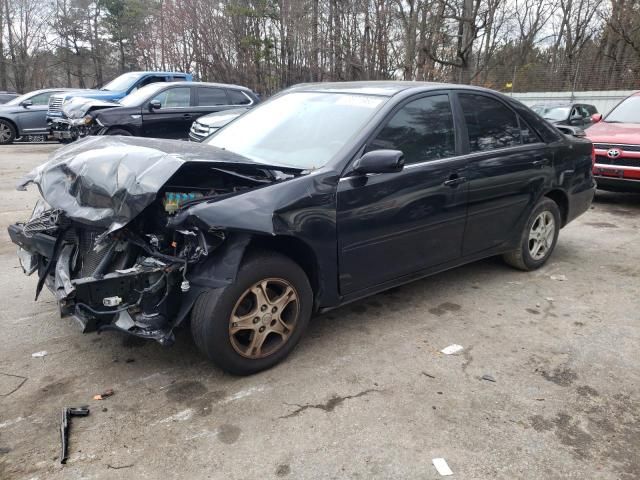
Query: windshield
{"x": 136, "y": 98}
{"x": 626, "y": 112}
{"x": 555, "y": 113}
{"x": 299, "y": 129}
{"x": 122, "y": 83}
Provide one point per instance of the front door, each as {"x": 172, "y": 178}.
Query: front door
{"x": 396, "y": 224}
{"x": 507, "y": 167}
{"x": 174, "y": 117}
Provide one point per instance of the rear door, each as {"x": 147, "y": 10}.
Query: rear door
{"x": 173, "y": 118}
{"x": 508, "y": 165}
{"x": 395, "y": 224}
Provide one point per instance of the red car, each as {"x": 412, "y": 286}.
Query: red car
{"x": 616, "y": 139}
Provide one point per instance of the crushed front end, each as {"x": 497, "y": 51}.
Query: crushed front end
{"x": 105, "y": 240}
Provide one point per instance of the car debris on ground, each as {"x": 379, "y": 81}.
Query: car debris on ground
{"x": 103, "y": 395}
{"x": 65, "y": 424}
{"x": 442, "y": 467}
{"x": 451, "y": 349}
{"x": 41, "y": 354}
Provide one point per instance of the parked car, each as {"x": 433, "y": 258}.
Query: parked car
{"x": 575, "y": 114}
{"x": 116, "y": 89}
{"x": 616, "y": 139}
{"x": 205, "y": 126}
{"x": 25, "y": 115}
{"x": 158, "y": 110}
{"x": 322, "y": 195}
{"x": 6, "y": 96}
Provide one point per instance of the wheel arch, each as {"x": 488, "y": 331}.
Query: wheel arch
{"x": 295, "y": 249}
{"x": 562, "y": 200}
{"x": 119, "y": 127}
{"x": 13, "y": 124}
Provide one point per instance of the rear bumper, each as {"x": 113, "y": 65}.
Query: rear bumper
{"x": 580, "y": 201}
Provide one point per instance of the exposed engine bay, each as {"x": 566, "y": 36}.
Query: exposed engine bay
{"x": 106, "y": 240}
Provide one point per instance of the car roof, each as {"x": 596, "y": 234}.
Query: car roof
{"x": 149, "y": 72}
{"x": 201, "y": 84}
{"x": 386, "y": 88}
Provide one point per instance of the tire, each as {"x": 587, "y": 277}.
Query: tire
{"x": 7, "y": 132}
{"x": 537, "y": 234}
{"x": 119, "y": 131}
{"x": 234, "y": 348}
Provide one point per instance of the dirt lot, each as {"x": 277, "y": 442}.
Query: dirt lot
{"x": 367, "y": 394}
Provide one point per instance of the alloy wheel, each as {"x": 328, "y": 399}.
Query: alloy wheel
{"x": 541, "y": 235}
{"x": 263, "y": 318}
{"x": 5, "y": 133}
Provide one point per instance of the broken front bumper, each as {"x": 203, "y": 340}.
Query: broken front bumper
{"x": 136, "y": 300}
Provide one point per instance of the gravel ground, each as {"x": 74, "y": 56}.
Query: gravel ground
{"x": 367, "y": 393}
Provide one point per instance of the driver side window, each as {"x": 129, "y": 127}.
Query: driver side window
{"x": 41, "y": 99}
{"x": 422, "y": 129}
{"x": 174, "y": 97}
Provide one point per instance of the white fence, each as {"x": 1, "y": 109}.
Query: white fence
{"x": 603, "y": 100}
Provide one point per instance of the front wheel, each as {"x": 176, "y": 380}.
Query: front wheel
{"x": 254, "y": 323}
{"x": 7, "y": 133}
{"x": 538, "y": 238}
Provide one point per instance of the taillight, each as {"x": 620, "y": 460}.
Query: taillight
{"x": 593, "y": 156}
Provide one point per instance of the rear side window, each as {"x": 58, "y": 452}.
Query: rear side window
{"x": 490, "y": 124}
{"x": 210, "y": 97}
{"x": 238, "y": 98}
{"x": 422, "y": 130}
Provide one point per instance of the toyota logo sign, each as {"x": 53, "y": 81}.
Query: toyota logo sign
{"x": 613, "y": 153}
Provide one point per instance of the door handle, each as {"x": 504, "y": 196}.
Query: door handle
{"x": 186, "y": 116}
{"x": 454, "y": 180}
{"x": 539, "y": 163}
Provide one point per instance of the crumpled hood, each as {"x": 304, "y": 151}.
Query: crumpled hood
{"x": 108, "y": 181}
{"x": 79, "y": 106}
{"x": 616, "y": 133}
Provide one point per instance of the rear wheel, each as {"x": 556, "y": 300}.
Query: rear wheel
{"x": 254, "y": 323}
{"x": 538, "y": 238}
{"x": 7, "y": 132}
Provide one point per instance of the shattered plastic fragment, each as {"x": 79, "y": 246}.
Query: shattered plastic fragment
{"x": 558, "y": 278}
{"x": 442, "y": 467}
{"x": 451, "y": 349}
{"x": 41, "y": 354}
{"x": 488, "y": 378}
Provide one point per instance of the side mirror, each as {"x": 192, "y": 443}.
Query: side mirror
{"x": 155, "y": 105}
{"x": 596, "y": 117}
{"x": 26, "y": 103}
{"x": 379, "y": 161}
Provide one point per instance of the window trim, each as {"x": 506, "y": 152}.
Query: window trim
{"x": 467, "y": 142}
{"x": 384, "y": 122}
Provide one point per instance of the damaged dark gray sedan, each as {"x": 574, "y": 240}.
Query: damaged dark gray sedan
{"x": 323, "y": 195}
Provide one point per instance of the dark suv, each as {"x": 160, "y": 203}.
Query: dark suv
{"x": 160, "y": 110}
